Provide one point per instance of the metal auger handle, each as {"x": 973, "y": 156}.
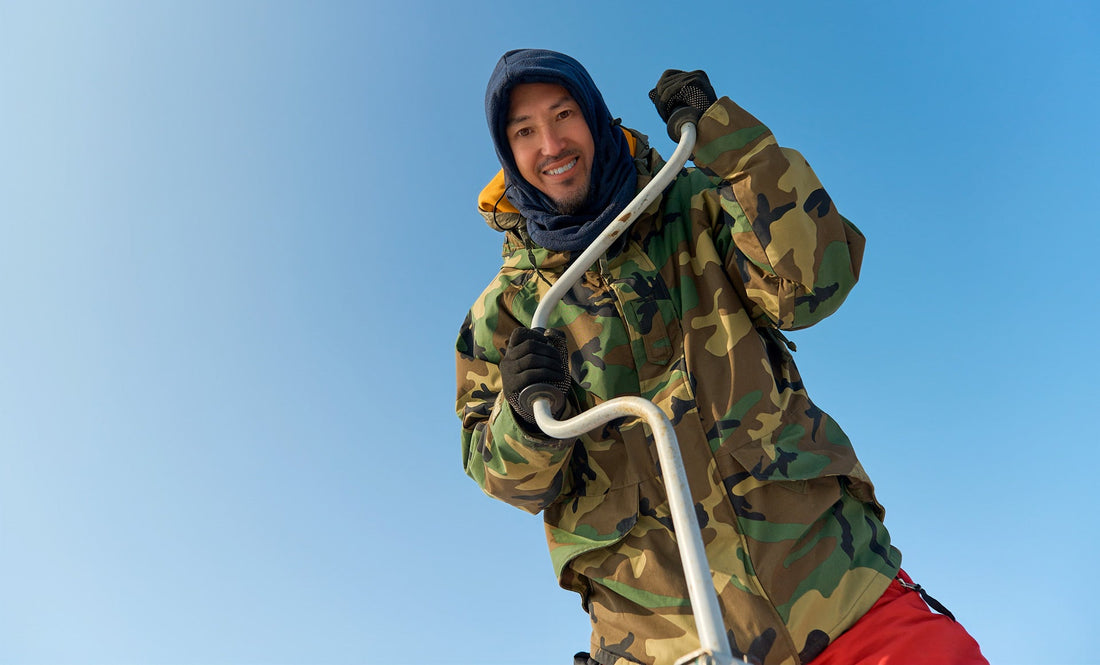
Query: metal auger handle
{"x": 715, "y": 648}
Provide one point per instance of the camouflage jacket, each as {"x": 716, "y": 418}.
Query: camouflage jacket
{"x": 686, "y": 310}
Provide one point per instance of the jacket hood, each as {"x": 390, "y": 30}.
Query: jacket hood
{"x": 612, "y": 180}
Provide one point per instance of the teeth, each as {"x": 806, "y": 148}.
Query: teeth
{"x": 563, "y": 169}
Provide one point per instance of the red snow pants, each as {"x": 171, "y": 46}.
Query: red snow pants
{"x": 899, "y": 629}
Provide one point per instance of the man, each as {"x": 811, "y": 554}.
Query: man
{"x": 685, "y": 310}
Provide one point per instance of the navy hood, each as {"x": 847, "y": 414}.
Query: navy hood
{"x": 613, "y": 176}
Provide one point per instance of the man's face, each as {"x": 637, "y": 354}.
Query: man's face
{"x": 551, "y": 143}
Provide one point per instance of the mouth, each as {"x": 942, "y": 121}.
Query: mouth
{"x": 564, "y": 168}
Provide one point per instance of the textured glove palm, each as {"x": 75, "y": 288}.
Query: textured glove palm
{"x": 535, "y": 357}
{"x": 682, "y": 97}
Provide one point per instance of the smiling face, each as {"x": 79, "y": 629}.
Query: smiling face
{"x": 551, "y": 143}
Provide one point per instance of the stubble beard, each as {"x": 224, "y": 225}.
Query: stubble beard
{"x": 574, "y": 202}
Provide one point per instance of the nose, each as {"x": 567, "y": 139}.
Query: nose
{"x": 553, "y": 142}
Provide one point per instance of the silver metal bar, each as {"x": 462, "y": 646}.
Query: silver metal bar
{"x": 689, "y": 539}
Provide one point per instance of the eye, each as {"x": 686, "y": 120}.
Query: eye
{"x": 523, "y": 131}
{"x": 565, "y": 114}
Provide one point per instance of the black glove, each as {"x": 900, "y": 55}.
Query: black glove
{"x": 535, "y": 357}
{"x": 682, "y": 97}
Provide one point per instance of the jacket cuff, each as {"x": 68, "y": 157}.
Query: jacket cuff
{"x": 727, "y": 135}
{"x": 528, "y": 433}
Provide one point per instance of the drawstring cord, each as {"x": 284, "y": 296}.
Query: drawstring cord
{"x": 932, "y": 602}
{"x": 531, "y": 257}
{"x": 497, "y": 203}
{"x": 526, "y": 238}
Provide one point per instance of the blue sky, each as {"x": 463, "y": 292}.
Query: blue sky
{"x": 237, "y": 239}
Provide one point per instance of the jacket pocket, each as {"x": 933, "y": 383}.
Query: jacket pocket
{"x": 583, "y": 524}
{"x": 797, "y": 463}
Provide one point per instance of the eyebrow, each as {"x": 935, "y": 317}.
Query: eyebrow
{"x": 565, "y": 99}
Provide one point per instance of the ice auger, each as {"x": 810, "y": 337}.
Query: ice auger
{"x": 714, "y": 647}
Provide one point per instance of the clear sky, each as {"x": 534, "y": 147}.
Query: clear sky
{"x": 237, "y": 240}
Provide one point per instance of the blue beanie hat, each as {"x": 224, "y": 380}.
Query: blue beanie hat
{"x": 613, "y": 176}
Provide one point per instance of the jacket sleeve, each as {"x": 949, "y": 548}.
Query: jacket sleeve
{"x": 524, "y": 469}
{"x": 788, "y": 251}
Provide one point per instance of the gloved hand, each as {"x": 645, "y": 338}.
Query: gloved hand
{"x": 682, "y": 97}
{"x": 535, "y": 356}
